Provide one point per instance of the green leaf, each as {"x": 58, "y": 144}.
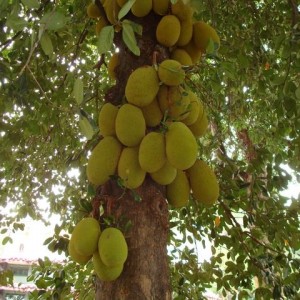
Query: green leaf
{"x": 15, "y": 22}
{"x": 54, "y": 20}
{"x": 106, "y": 38}
{"x": 46, "y": 44}
{"x": 125, "y": 9}
{"x": 31, "y": 3}
{"x": 6, "y": 240}
{"x": 129, "y": 38}
{"x": 78, "y": 90}
{"x": 297, "y": 93}
{"x": 86, "y": 127}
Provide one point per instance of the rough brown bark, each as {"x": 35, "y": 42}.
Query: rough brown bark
{"x": 146, "y": 271}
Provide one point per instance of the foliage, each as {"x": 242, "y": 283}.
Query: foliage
{"x": 53, "y": 83}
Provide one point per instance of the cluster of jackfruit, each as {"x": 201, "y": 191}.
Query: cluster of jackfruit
{"x": 107, "y": 249}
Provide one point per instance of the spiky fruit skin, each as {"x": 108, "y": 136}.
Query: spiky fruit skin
{"x": 103, "y": 161}
{"x": 179, "y": 190}
{"x": 141, "y": 8}
{"x": 200, "y": 126}
{"x": 181, "y": 146}
{"x": 174, "y": 101}
{"x": 107, "y": 118}
{"x": 182, "y": 57}
{"x": 93, "y": 11}
{"x": 193, "y": 51}
{"x": 170, "y": 72}
{"x": 195, "y": 108}
{"x": 152, "y": 152}
{"x": 104, "y": 272}
{"x": 129, "y": 169}
{"x": 80, "y": 259}
{"x": 142, "y": 86}
{"x": 85, "y": 236}
{"x": 112, "y": 247}
{"x": 160, "y": 7}
{"x": 186, "y": 32}
{"x": 130, "y": 125}
{"x": 181, "y": 10}
{"x": 100, "y": 24}
{"x": 168, "y": 31}
{"x": 112, "y": 64}
{"x": 165, "y": 175}
{"x": 204, "y": 184}
{"x": 202, "y": 33}
{"x": 152, "y": 114}
{"x": 112, "y": 9}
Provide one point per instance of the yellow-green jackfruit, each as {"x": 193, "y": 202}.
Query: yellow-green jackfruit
{"x": 112, "y": 9}
{"x": 107, "y": 119}
{"x": 99, "y": 25}
{"x": 129, "y": 168}
{"x": 193, "y": 51}
{"x": 168, "y": 31}
{"x": 181, "y": 146}
{"x": 80, "y": 259}
{"x": 170, "y": 72}
{"x": 112, "y": 64}
{"x": 195, "y": 108}
{"x": 186, "y": 32}
{"x": 93, "y": 11}
{"x": 152, "y": 152}
{"x": 199, "y": 127}
{"x": 103, "y": 161}
{"x": 181, "y": 56}
{"x": 181, "y": 10}
{"x": 165, "y": 175}
{"x": 160, "y": 7}
{"x": 203, "y": 183}
{"x": 142, "y": 86}
{"x": 152, "y": 113}
{"x": 178, "y": 191}
{"x": 130, "y": 125}
{"x": 112, "y": 247}
{"x": 141, "y": 8}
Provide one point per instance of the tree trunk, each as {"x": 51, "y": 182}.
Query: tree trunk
{"x": 146, "y": 271}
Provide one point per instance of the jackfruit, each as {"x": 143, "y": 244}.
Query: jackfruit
{"x": 178, "y": 191}
{"x": 170, "y": 72}
{"x": 195, "y": 109}
{"x": 130, "y": 125}
{"x": 112, "y": 9}
{"x": 103, "y": 161}
{"x": 121, "y": 2}
{"x": 152, "y": 113}
{"x": 80, "y": 259}
{"x": 186, "y": 32}
{"x": 129, "y": 168}
{"x": 160, "y": 7}
{"x": 152, "y": 152}
{"x": 182, "y": 56}
{"x": 202, "y": 34}
{"x": 100, "y": 24}
{"x": 181, "y": 10}
{"x": 174, "y": 102}
{"x": 85, "y": 236}
{"x": 112, "y": 64}
{"x": 141, "y": 8}
{"x": 168, "y": 31}
{"x": 142, "y": 86}
{"x": 204, "y": 184}
{"x": 181, "y": 146}
{"x": 165, "y": 175}
{"x": 200, "y": 126}
{"x": 112, "y": 247}
{"x": 193, "y": 51}
{"x": 104, "y": 272}
{"x": 107, "y": 119}
{"x": 93, "y": 11}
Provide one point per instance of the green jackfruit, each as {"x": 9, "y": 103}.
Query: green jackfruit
{"x": 85, "y": 236}
{"x": 103, "y": 161}
{"x": 80, "y": 259}
{"x": 200, "y": 126}
{"x": 181, "y": 56}
{"x": 160, "y": 7}
{"x": 130, "y": 125}
{"x": 129, "y": 168}
{"x": 178, "y": 191}
{"x": 202, "y": 34}
{"x": 168, "y": 31}
{"x": 112, "y": 64}
{"x": 165, "y": 175}
{"x": 193, "y": 51}
{"x": 112, "y": 247}
{"x": 104, "y": 272}
{"x": 152, "y": 152}
{"x": 99, "y": 25}
{"x": 152, "y": 113}
{"x": 121, "y": 2}
{"x": 93, "y": 11}
{"x": 186, "y": 32}
{"x": 170, "y": 72}
{"x": 195, "y": 108}
{"x": 181, "y": 10}
{"x": 112, "y": 9}
{"x": 142, "y": 86}
{"x": 107, "y": 119}
{"x": 203, "y": 183}
{"x": 181, "y": 146}
{"x": 141, "y": 8}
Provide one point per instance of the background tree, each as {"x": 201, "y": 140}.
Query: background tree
{"x": 251, "y": 94}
